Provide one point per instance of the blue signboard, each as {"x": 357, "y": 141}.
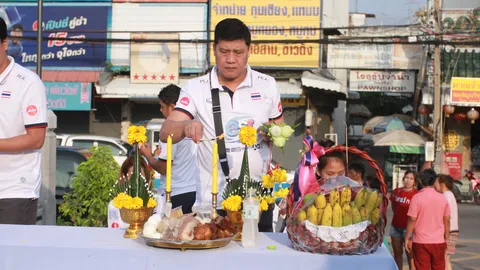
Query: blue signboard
{"x": 79, "y": 21}
{"x": 69, "y": 96}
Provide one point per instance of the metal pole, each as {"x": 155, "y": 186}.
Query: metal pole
{"x": 437, "y": 105}
{"x": 39, "y": 38}
{"x": 356, "y": 6}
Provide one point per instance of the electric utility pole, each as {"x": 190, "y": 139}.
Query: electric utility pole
{"x": 39, "y": 38}
{"x": 437, "y": 103}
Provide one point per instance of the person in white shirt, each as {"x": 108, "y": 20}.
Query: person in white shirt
{"x": 445, "y": 185}
{"x": 246, "y": 97}
{"x": 185, "y": 174}
{"x": 23, "y": 122}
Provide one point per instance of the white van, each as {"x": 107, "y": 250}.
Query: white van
{"x": 153, "y": 131}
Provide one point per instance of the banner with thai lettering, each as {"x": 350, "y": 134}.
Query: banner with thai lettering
{"x": 275, "y": 20}
{"x": 69, "y": 96}
{"x": 465, "y": 91}
{"x": 382, "y": 81}
{"x": 80, "y": 21}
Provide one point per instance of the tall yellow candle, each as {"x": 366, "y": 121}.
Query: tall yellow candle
{"x": 215, "y": 168}
{"x": 169, "y": 165}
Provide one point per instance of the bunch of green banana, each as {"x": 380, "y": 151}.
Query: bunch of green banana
{"x": 371, "y": 201}
{"x": 347, "y": 215}
{"x": 356, "y": 217}
{"x": 361, "y": 198}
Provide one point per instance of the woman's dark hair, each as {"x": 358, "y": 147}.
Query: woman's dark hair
{"x": 128, "y": 163}
{"x": 446, "y": 179}
{"x": 323, "y": 160}
{"x": 407, "y": 172}
{"x": 232, "y": 29}
{"x": 427, "y": 177}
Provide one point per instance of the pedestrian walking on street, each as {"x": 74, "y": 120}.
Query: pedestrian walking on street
{"x": 429, "y": 217}
{"x": 23, "y": 123}
{"x": 445, "y": 185}
{"x": 401, "y": 198}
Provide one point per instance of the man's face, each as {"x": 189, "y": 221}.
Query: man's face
{"x": 353, "y": 175}
{"x": 16, "y": 33}
{"x": 166, "y": 109}
{"x": 231, "y": 58}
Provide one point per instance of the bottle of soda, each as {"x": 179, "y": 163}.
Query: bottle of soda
{"x": 251, "y": 214}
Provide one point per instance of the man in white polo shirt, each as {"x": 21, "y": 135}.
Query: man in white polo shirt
{"x": 246, "y": 97}
{"x": 23, "y": 120}
{"x": 185, "y": 174}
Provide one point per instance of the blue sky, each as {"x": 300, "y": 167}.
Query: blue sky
{"x": 388, "y": 11}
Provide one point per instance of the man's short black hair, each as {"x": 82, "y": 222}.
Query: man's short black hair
{"x": 17, "y": 27}
{"x": 169, "y": 94}
{"x": 427, "y": 177}
{"x": 3, "y": 29}
{"x": 358, "y": 168}
{"x": 232, "y": 29}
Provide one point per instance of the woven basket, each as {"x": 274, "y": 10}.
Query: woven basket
{"x": 367, "y": 242}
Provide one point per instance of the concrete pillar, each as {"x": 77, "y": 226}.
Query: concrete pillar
{"x": 126, "y": 119}
{"x": 47, "y": 201}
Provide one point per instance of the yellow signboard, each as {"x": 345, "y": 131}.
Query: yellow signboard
{"x": 275, "y": 20}
{"x": 465, "y": 91}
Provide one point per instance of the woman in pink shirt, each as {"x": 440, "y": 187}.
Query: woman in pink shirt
{"x": 445, "y": 185}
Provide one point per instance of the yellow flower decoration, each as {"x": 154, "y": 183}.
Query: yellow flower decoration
{"x": 263, "y": 205}
{"x": 151, "y": 203}
{"x": 248, "y": 136}
{"x": 281, "y": 193}
{"x": 280, "y": 175}
{"x": 136, "y": 134}
{"x": 267, "y": 181}
{"x": 121, "y": 200}
{"x": 232, "y": 203}
{"x": 269, "y": 199}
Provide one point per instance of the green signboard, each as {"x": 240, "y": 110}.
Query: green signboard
{"x": 69, "y": 96}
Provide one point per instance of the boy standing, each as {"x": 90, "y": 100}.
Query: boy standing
{"x": 429, "y": 216}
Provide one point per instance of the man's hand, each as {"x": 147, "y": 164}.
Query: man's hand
{"x": 146, "y": 150}
{"x": 408, "y": 245}
{"x": 193, "y": 129}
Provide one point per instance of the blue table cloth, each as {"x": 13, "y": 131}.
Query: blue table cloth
{"x": 80, "y": 248}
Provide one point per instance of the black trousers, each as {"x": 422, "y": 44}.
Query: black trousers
{"x": 185, "y": 200}
{"x": 266, "y": 219}
{"x": 18, "y": 211}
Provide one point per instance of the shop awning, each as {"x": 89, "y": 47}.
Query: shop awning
{"x": 122, "y": 88}
{"x": 290, "y": 89}
{"x": 70, "y": 76}
{"x": 319, "y": 81}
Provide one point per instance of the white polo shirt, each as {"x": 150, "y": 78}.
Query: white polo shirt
{"x": 23, "y": 106}
{"x": 185, "y": 173}
{"x": 255, "y": 101}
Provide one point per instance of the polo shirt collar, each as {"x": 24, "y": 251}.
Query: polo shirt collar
{"x": 246, "y": 83}
{"x": 9, "y": 68}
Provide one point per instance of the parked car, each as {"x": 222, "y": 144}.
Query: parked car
{"x": 120, "y": 148}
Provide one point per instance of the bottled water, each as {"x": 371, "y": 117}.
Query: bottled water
{"x": 251, "y": 206}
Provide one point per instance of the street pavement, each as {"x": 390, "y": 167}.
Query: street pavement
{"x": 467, "y": 256}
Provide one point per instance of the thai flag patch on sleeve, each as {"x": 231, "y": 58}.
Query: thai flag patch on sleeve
{"x": 256, "y": 96}
{"x": 6, "y": 94}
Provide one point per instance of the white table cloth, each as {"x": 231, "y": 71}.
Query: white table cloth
{"x": 80, "y": 248}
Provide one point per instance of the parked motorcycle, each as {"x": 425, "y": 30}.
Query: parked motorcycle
{"x": 475, "y": 186}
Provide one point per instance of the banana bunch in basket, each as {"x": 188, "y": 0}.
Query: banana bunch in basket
{"x": 339, "y": 210}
